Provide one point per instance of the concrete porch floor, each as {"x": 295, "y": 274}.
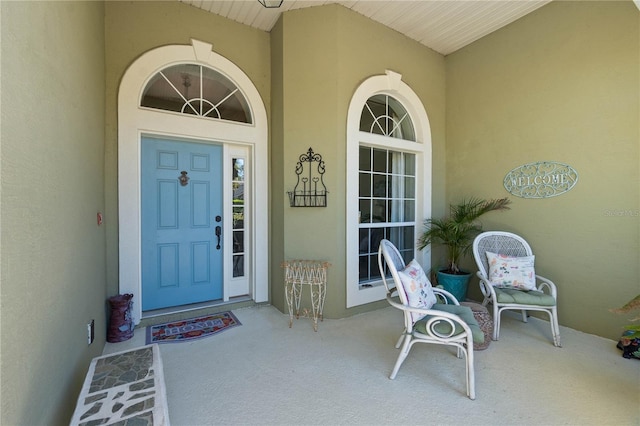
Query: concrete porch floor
{"x": 264, "y": 373}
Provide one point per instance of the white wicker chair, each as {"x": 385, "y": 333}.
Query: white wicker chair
{"x": 444, "y": 324}
{"x": 543, "y": 299}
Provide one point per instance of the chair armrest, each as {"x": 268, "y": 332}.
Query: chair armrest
{"x": 485, "y": 286}
{"x": 544, "y": 285}
{"x": 548, "y": 285}
{"x": 435, "y": 317}
{"x": 445, "y": 296}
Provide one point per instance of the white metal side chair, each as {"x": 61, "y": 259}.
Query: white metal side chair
{"x": 441, "y": 323}
{"x": 508, "y": 280}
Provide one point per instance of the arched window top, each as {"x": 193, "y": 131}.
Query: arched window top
{"x": 196, "y": 90}
{"x": 388, "y": 174}
{"x": 384, "y": 115}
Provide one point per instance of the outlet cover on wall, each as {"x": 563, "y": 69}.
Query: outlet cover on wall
{"x": 90, "y": 332}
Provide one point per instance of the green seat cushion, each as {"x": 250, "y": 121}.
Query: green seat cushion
{"x": 464, "y": 312}
{"x": 509, "y": 295}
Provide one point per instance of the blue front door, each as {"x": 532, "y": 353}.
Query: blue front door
{"x": 181, "y": 223}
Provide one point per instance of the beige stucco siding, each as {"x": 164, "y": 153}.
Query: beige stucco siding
{"x": 134, "y": 28}
{"x": 561, "y": 84}
{"x": 326, "y": 54}
{"x": 53, "y": 251}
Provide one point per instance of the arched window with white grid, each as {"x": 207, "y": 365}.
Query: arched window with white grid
{"x": 388, "y": 179}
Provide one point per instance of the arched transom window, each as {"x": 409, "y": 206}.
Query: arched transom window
{"x": 384, "y": 115}
{"x": 196, "y": 90}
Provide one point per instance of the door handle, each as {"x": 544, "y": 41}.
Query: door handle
{"x": 218, "y": 233}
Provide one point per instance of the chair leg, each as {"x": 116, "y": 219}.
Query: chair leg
{"x": 555, "y": 328}
{"x": 471, "y": 375}
{"x": 402, "y": 336}
{"x": 496, "y": 322}
{"x": 401, "y": 357}
{"x": 524, "y": 316}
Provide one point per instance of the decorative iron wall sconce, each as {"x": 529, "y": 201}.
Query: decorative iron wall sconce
{"x": 310, "y": 190}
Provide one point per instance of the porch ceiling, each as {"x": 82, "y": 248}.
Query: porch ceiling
{"x": 442, "y": 25}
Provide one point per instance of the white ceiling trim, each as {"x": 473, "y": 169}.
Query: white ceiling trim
{"x": 442, "y": 25}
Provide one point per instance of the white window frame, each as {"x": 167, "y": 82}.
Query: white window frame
{"x": 237, "y": 286}
{"x": 135, "y": 121}
{"x": 391, "y": 84}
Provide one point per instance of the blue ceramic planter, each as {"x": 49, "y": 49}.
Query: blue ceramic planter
{"x": 455, "y": 284}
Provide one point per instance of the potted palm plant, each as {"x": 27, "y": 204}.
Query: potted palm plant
{"x": 457, "y": 232}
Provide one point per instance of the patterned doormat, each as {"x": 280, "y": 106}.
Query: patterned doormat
{"x": 190, "y": 329}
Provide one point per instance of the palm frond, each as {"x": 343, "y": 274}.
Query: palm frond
{"x": 457, "y": 231}
{"x": 632, "y": 305}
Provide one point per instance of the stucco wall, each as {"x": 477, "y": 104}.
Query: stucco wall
{"x": 315, "y": 96}
{"x": 53, "y": 251}
{"x": 326, "y": 52}
{"x": 561, "y": 84}
{"x": 133, "y": 28}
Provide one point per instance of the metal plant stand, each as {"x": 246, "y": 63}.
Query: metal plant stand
{"x": 299, "y": 273}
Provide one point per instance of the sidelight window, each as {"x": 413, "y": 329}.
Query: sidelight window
{"x": 238, "y": 230}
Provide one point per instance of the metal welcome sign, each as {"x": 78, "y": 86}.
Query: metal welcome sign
{"x": 540, "y": 180}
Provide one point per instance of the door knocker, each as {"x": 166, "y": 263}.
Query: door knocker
{"x": 184, "y": 179}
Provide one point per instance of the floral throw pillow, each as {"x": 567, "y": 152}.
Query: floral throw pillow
{"x": 417, "y": 287}
{"x": 512, "y": 272}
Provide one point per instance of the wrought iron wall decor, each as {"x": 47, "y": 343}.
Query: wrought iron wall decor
{"x": 310, "y": 190}
{"x": 543, "y": 179}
